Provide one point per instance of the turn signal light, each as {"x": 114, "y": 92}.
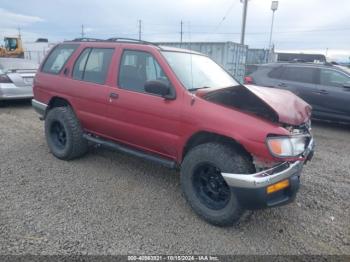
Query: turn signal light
{"x": 278, "y": 186}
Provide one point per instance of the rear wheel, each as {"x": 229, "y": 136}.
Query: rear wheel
{"x": 204, "y": 187}
{"x": 64, "y": 134}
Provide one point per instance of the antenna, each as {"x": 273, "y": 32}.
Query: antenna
{"x": 181, "y": 32}
{"x": 140, "y": 29}
{"x": 19, "y": 32}
{"x": 82, "y": 31}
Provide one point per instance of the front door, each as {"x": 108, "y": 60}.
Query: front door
{"x": 140, "y": 119}
{"x": 334, "y": 97}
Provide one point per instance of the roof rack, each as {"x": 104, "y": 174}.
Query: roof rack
{"x": 133, "y": 40}
{"x": 113, "y": 39}
{"x": 327, "y": 64}
{"x": 87, "y": 39}
{"x": 310, "y": 63}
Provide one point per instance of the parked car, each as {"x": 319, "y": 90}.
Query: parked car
{"x": 237, "y": 147}
{"x": 16, "y": 78}
{"x": 326, "y": 87}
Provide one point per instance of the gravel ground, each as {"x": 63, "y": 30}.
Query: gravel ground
{"x": 111, "y": 203}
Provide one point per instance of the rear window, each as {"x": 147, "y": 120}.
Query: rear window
{"x": 92, "y": 65}
{"x": 249, "y": 69}
{"x": 58, "y": 58}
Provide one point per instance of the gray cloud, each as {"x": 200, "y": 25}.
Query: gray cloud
{"x": 299, "y": 24}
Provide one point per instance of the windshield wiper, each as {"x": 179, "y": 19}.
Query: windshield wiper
{"x": 195, "y": 89}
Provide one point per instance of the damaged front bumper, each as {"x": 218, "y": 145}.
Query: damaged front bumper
{"x": 251, "y": 189}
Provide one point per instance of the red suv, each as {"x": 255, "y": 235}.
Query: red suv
{"x": 237, "y": 147}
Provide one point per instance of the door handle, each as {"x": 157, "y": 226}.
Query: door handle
{"x": 321, "y": 92}
{"x": 282, "y": 85}
{"x": 113, "y": 95}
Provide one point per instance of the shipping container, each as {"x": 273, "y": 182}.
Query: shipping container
{"x": 36, "y": 51}
{"x": 230, "y": 55}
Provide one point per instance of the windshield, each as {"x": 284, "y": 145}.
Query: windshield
{"x": 10, "y": 43}
{"x": 198, "y": 71}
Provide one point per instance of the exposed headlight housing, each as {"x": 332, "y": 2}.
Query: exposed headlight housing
{"x": 287, "y": 146}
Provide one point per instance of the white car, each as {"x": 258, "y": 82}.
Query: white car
{"x": 16, "y": 78}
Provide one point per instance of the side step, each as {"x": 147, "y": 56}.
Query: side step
{"x": 151, "y": 157}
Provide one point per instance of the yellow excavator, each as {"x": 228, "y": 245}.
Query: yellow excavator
{"x": 13, "y": 47}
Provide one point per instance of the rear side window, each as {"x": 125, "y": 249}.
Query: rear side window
{"x": 276, "y": 72}
{"x": 92, "y": 65}
{"x": 79, "y": 66}
{"x": 58, "y": 58}
{"x": 298, "y": 74}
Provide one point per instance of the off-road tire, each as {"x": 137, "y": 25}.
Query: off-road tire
{"x": 75, "y": 145}
{"x": 225, "y": 158}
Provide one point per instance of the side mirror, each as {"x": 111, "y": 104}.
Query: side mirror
{"x": 159, "y": 88}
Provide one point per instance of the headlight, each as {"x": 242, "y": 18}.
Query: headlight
{"x": 287, "y": 146}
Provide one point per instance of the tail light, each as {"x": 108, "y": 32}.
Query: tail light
{"x": 4, "y": 79}
{"x": 248, "y": 80}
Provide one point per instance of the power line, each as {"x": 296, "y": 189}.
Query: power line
{"x": 279, "y": 32}
{"x": 224, "y": 17}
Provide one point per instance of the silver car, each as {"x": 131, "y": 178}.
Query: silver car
{"x": 16, "y": 78}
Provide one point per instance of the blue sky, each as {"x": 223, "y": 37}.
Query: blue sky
{"x": 300, "y": 25}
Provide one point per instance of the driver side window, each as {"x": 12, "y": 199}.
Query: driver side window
{"x": 138, "y": 67}
{"x": 333, "y": 78}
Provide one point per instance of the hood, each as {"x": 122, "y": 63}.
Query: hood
{"x": 276, "y": 105}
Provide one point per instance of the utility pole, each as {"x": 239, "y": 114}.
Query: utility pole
{"x": 244, "y": 18}
{"x": 82, "y": 31}
{"x": 181, "y": 32}
{"x": 274, "y": 6}
{"x": 140, "y": 29}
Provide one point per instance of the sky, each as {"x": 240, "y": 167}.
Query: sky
{"x": 316, "y": 26}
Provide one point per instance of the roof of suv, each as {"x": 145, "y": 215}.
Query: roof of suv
{"x": 131, "y": 41}
{"x": 300, "y": 64}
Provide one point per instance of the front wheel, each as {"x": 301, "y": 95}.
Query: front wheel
{"x": 204, "y": 187}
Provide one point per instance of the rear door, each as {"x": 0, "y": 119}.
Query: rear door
{"x": 334, "y": 98}
{"x": 301, "y": 81}
{"x": 88, "y": 87}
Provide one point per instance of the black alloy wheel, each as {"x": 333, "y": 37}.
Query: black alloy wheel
{"x": 210, "y": 186}
{"x": 58, "y": 134}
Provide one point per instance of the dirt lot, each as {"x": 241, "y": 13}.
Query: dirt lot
{"x": 110, "y": 203}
